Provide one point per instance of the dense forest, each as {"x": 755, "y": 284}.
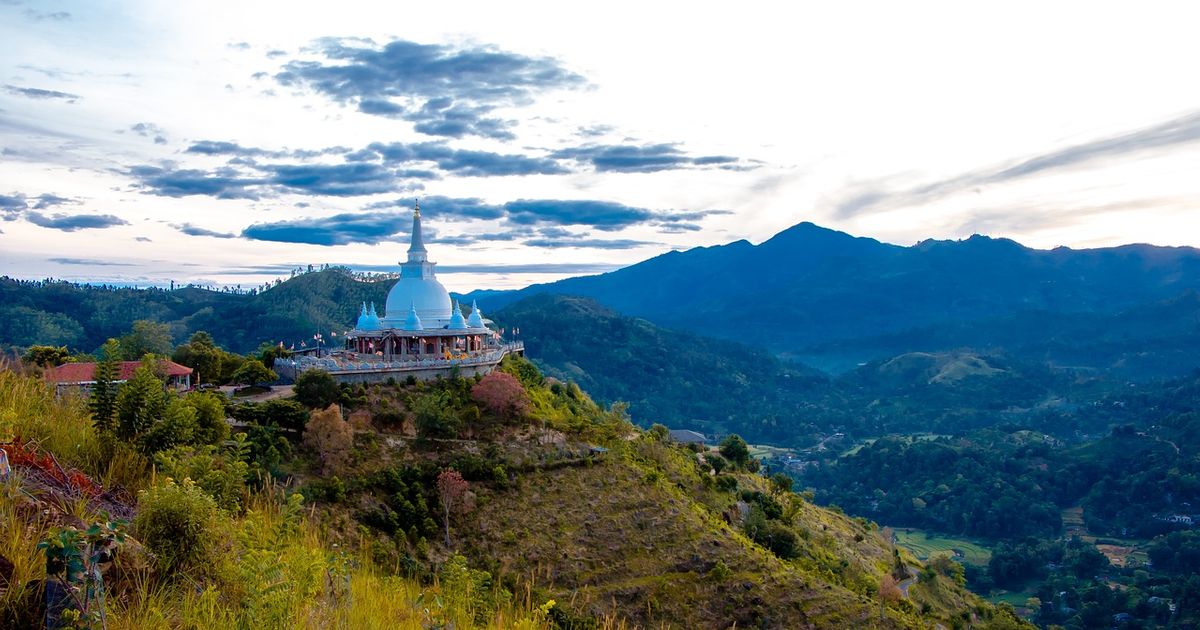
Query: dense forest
{"x": 1134, "y": 487}
{"x": 83, "y": 317}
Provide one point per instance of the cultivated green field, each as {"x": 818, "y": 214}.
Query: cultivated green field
{"x": 924, "y": 545}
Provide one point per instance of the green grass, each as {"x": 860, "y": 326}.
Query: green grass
{"x": 924, "y": 545}
{"x": 1016, "y": 598}
{"x": 762, "y": 451}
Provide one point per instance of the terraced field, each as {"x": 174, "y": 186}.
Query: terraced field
{"x": 924, "y": 545}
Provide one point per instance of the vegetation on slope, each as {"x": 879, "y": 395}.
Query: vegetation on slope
{"x": 673, "y": 377}
{"x": 261, "y": 561}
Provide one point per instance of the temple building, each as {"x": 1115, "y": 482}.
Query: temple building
{"x": 421, "y": 332}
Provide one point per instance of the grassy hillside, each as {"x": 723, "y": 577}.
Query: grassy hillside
{"x": 642, "y": 534}
{"x": 271, "y": 564}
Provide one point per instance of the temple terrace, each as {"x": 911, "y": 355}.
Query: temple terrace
{"x": 421, "y": 332}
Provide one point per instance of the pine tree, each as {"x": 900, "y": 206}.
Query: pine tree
{"x": 140, "y": 404}
{"x": 103, "y": 401}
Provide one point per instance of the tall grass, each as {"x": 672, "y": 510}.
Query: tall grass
{"x": 273, "y": 566}
{"x": 29, "y": 410}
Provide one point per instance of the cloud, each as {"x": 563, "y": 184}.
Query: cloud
{"x": 71, "y": 223}
{"x": 12, "y": 205}
{"x": 444, "y": 90}
{"x": 339, "y": 180}
{"x": 221, "y": 147}
{"x": 339, "y": 229}
{"x": 223, "y": 183}
{"x": 447, "y": 208}
{"x": 604, "y": 215}
{"x": 542, "y": 221}
{"x": 142, "y": 239}
{"x": 457, "y": 161}
{"x": 89, "y": 262}
{"x": 501, "y": 268}
{"x": 552, "y": 243}
{"x": 650, "y": 158}
{"x": 192, "y": 230}
{"x": 882, "y": 195}
{"x": 38, "y": 93}
{"x": 42, "y": 16}
{"x": 150, "y": 130}
{"x": 50, "y": 200}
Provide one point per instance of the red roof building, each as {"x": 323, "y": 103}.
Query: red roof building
{"x": 84, "y": 374}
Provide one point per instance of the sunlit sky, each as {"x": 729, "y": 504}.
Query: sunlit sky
{"x": 227, "y": 142}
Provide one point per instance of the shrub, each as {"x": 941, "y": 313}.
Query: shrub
{"x": 331, "y": 437}
{"x": 718, "y": 463}
{"x": 524, "y": 370}
{"x": 720, "y": 572}
{"x": 177, "y": 522}
{"x": 176, "y": 426}
{"x": 727, "y": 483}
{"x": 211, "y": 427}
{"x": 316, "y": 389}
{"x": 285, "y": 414}
{"x": 221, "y": 476}
{"x": 659, "y": 432}
{"x": 435, "y": 417}
{"x": 781, "y": 540}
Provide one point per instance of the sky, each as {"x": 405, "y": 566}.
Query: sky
{"x": 227, "y": 143}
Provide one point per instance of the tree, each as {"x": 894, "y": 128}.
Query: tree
{"x": 502, "y": 395}
{"x": 285, "y": 414}
{"x": 454, "y": 493}
{"x": 434, "y": 416}
{"x": 254, "y": 372}
{"x": 331, "y": 437}
{"x": 735, "y": 449}
{"x": 201, "y": 354}
{"x": 268, "y": 353}
{"x": 659, "y": 432}
{"x": 140, "y": 402}
{"x": 781, "y": 482}
{"x": 889, "y": 591}
{"x": 316, "y": 389}
{"x": 210, "y": 417}
{"x": 46, "y": 356}
{"x": 718, "y": 463}
{"x": 175, "y": 426}
{"x": 147, "y": 337}
{"x": 103, "y": 399}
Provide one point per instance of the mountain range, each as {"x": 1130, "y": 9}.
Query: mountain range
{"x": 834, "y": 301}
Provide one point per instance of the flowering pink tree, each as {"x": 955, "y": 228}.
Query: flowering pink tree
{"x": 502, "y": 395}
{"x": 455, "y": 495}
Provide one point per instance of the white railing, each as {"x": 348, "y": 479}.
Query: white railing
{"x": 343, "y": 366}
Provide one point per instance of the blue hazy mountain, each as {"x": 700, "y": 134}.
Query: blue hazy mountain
{"x": 834, "y": 300}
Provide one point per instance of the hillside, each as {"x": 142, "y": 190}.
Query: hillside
{"x": 83, "y": 316}
{"x": 547, "y": 530}
{"x": 676, "y": 378}
{"x": 715, "y": 386}
{"x": 834, "y": 300}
